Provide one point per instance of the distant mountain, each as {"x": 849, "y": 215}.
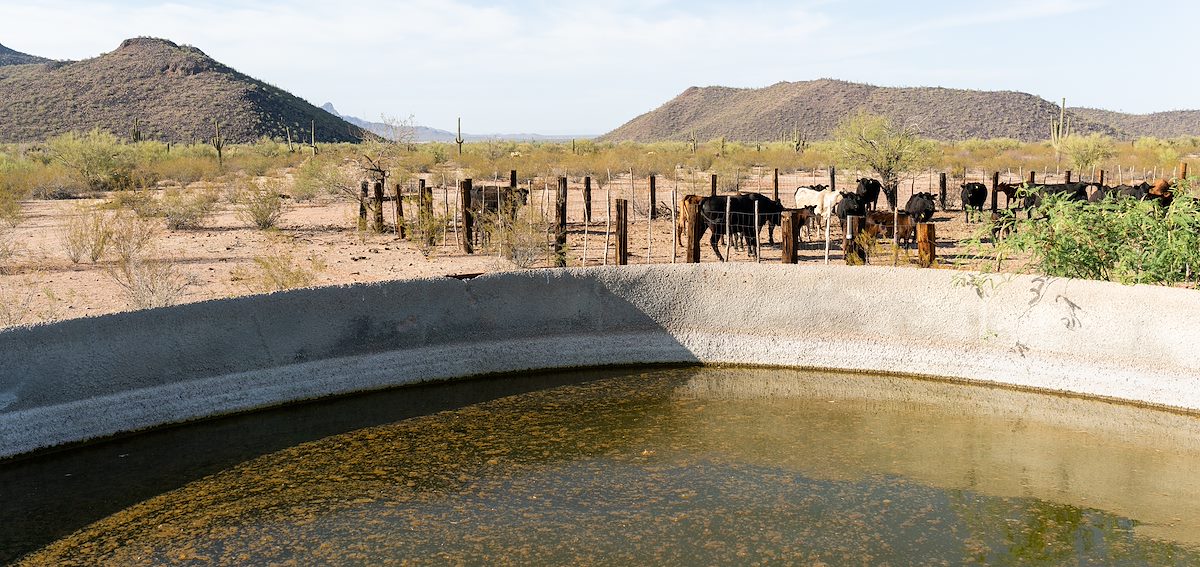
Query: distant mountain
{"x": 427, "y": 134}
{"x": 816, "y": 107}
{"x": 174, "y": 92}
{"x": 1170, "y": 124}
{"x": 11, "y": 57}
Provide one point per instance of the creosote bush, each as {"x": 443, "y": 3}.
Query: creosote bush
{"x": 86, "y": 234}
{"x": 278, "y": 270}
{"x": 261, "y": 204}
{"x": 187, "y": 209}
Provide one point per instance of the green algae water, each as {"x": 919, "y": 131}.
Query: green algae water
{"x": 697, "y": 466}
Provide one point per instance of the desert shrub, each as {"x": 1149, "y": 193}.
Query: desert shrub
{"x": 140, "y": 201}
{"x": 131, "y": 236}
{"x": 187, "y": 209}
{"x": 261, "y": 204}
{"x": 96, "y": 161}
{"x": 1125, "y": 241}
{"x": 147, "y": 283}
{"x": 186, "y": 168}
{"x": 278, "y": 270}
{"x": 86, "y": 234}
{"x": 8, "y": 248}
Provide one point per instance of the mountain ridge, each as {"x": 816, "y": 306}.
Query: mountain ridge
{"x": 173, "y": 93}
{"x": 815, "y": 107}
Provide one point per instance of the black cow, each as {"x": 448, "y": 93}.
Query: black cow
{"x": 768, "y": 211}
{"x": 868, "y": 191}
{"x": 849, "y": 205}
{"x": 974, "y": 195}
{"x": 740, "y": 223}
{"x": 920, "y": 206}
{"x": 1034, "y": 195}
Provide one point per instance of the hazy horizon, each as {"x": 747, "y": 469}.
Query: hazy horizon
{"x": 565, "y": 69}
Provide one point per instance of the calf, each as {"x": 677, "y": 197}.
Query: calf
{"x": 974, "y": 195}
{"x": 1010, "y": 191}
{"x": 900, "y": 223}
{"x": 850, "y": 204}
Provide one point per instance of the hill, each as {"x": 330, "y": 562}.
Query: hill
{"x": 174, "y": 92}
{"x": 1171, "y": 124}
{"x": 816, "y": 107}
{"x": 427, "y": 134}
{"x": 12, "y": 57}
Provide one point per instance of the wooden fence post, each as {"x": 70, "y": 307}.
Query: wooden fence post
{"x": 560, "y": 223}
{"x": 622, "y": 232}
{"x": 1100, "y": 181}
{"x": 775, "y": 185}
{"x": 926, "y": 244}
{"x": 587, "y": 198}
{"x": 362, "y": 205}
{"x": 377, "y": 210}
{"x": 1032, "y": 177}
{"x": 1183, "y": 170}
{"x": 714, "y": 185}
{"x": 692, "y": 230}
{"x": 942, "y": 189}
{"x": 852, "y": 248}
{"x": 833, "y": 178}
{"x": 401, "y": 230}
{"x": 653, "y": 200}
{"x": 1068, "y": 176}
{"x": 789, "y": 227}
{"x": 468, "y": 218}
{"x": 995, "y": 185}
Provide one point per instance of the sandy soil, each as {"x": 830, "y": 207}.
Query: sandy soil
{"x": 41, "y": 283}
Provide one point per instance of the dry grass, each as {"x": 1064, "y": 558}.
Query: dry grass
{"x": 278, "y": 270}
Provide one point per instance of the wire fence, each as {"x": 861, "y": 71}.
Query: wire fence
{"x": 520, "y": 225}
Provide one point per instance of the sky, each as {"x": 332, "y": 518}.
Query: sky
{"x": 584, "y": 68}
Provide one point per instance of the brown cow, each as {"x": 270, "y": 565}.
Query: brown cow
{"x": 682, "y": 220}
{"x": 880, "y": 223}
{"x": 1010, "y": 191}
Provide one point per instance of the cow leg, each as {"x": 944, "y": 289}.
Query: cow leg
{"x": 713, "y": 240}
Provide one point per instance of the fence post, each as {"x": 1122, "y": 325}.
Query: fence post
{"x": 401, "y": 230}
{"x": 832, "y": 178}
{"x": 653, "y": 199}
{"x": 622, "y": 232}
{"x": 775, "y": 185}
{"x": 1067, "y": 177}
{"x": 587, "y": 198}
{"x": 789, "y": 223}
{"x": 942, "y": 189}
{"x": 714, "y": 185}
{"x": 1032, "y": 177}
{"x": 377, "y": 210}
{"x": 362, "y": 205}
{"x": 852, "y": 248}
{"x": 1183, "y": 170}
{"x": 692, "y": 232}
{"x": 1100, "y": 181}
{"x": 468, "y": 218}
{"x": 926, "y": 244}
{"x": 560, "y": 223}
{"x": 995, "y": 185}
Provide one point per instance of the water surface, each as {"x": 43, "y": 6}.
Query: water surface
{"x": 699, "y": 466}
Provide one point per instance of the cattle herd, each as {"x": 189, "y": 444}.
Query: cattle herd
{"x": 741, "y": 217}
{"x": 818, "y": 204}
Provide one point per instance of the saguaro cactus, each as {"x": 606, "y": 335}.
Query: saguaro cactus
{"x": 136, "y": 135}
{"x": 1060, "y": 129}
{"x": 218, "y": 142}
{"x": 458, "y": 139}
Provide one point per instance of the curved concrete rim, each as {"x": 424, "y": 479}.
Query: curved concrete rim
{"x": 90, "y": 378}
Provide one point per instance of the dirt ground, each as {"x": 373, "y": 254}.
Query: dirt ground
{"x": 40, "y": 282}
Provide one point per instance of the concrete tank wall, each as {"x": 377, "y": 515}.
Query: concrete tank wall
{"x": 89, "y": 378}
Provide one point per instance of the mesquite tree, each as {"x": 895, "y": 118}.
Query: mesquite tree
{"x": 875, "y": 143}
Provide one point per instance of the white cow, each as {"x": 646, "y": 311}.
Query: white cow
{"x": 822, "y": 200}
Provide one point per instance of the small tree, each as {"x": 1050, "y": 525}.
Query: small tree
{"x": 1087, "y": 151}
{"x": 875, "y": 143}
